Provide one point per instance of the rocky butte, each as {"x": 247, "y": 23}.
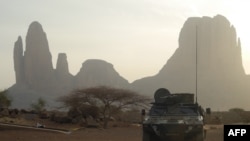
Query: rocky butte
{"x": 221, "y": 79}
{"x": 98, "y": 72}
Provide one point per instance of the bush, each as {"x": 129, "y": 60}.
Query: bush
{"x": 5, "y": 101}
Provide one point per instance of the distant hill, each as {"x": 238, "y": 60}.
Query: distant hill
{"x": 222, "y": 82}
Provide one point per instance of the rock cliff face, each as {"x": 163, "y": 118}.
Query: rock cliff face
{"x": 221, "y": 80}
{"x": 38, "y": 69}
{"x": 98, "y": 72}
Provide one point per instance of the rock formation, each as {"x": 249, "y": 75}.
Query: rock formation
{"x": 19, "y": 61}
{"x": 220, "y": 74}
{"x": 38, "y": 68}
{"x": 98, "y": 72}
{"x": 221, "y": 80}
{"x": 62, "y": 67}
{"x": 62, "y": 74}
{"x": 36, "y": 77}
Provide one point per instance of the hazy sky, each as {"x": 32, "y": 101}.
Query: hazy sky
{"x": 136, "y": 36}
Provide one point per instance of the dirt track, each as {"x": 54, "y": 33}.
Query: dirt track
{"x": 112, "y": 134}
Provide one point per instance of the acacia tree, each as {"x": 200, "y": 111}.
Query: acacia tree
{"x": 108, "y": 100}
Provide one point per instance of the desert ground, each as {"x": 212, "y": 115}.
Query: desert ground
{"x": 129, "y": 133}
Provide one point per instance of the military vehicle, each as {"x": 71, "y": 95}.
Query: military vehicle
{"x": 173, "y": 117}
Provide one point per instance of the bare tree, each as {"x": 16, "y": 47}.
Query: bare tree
{"x": 108, "y": 100}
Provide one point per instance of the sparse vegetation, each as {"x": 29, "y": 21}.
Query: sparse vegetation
{"x": 237, "y": 110}
{"x": 106, "y": 101}
{"x": 233, "y": 115}
{"x": 5, "y": 101}
{"x": 39, "y": 106}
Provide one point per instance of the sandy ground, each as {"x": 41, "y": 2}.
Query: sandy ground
{"x": 132, "y": 133}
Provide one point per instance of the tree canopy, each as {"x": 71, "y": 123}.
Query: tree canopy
{"x": 108, "y": 100}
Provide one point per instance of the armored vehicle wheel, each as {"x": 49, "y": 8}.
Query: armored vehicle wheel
{"x": 145, "y": 137}
{"x": 200, "y": 137}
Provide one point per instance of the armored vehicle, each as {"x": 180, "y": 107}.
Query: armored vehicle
{"x": 173, "y": 117}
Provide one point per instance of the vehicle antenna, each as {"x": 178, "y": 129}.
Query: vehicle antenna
{"x": 196, "y": 68}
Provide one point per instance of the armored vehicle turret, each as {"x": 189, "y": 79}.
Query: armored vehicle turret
{"x": 173, "y": 117}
